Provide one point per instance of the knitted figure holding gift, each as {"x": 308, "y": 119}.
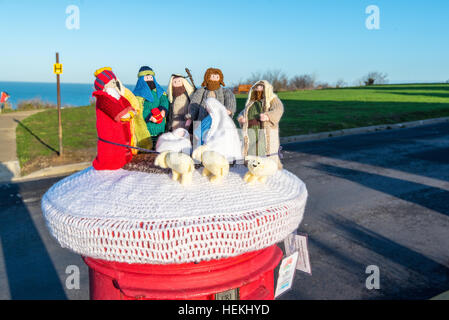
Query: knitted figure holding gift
{"x": 153, "y": 100}
{"x": 259, "y": 169}
{"x": 212, "y": 88}
{"x": 157, "y": 115}
{"x": 260, "y": 122}
{"x": 114, "y": 113}
{"x": 179, "y": 92}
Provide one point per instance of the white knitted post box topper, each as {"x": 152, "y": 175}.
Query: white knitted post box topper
{"x": 137, "y": 217}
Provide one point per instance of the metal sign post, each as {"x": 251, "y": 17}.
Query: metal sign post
{"x": 57, "y": 69}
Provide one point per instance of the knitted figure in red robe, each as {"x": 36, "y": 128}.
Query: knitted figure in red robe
{"x": 113, "y": 115}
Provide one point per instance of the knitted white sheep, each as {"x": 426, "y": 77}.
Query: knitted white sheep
{"x": 214, "y": 163}
{"x": 259, "y": 169}
{"x": 182, "y": 165}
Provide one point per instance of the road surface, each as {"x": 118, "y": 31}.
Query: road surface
{"x": 377, "y": 199}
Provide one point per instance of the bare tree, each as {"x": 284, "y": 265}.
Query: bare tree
{"x": 255, "y": 76}
{"x": 323, "y": 85}
{"x": 277, "y": 78}
{"x": 340, "y": 83}
{"x": 375, "y": 78}
{"x": 302, "y": 82}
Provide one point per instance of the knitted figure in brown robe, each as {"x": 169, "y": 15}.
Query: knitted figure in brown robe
{"x": 212, "y": 87}
{"x": 260, "y": 122}
{"x": 179, "y": 91}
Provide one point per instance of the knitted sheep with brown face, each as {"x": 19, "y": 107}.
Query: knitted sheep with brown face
{"x": 182, "y": 165}
{"x": 259, "y": 169}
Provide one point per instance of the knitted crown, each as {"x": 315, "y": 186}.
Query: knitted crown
{"x": 145, "y": 71}
{"x": 103, "y": 76}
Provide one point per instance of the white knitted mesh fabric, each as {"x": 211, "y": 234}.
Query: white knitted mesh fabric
{"x": 135, "y": 217}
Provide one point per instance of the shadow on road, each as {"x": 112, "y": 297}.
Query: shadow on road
{"x": 415, "y": 150}
{"x": 426, "y": 278}
{"x": 30, "y": 273}
{"x": 430, "y": 197}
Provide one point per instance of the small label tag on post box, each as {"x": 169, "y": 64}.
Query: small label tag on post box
{"x": 290, "y": 244}
{"x": 286, "y": 274}
{"x": 303, "y": 263}
{"x": 232, "y": 294}
{"x": 299, "y": 242}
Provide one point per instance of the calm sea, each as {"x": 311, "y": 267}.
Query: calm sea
{"x": 72, "y": 94}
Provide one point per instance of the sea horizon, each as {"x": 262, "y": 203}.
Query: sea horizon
{"x": 78, "y": 94}
{"x": 72, "y": 94}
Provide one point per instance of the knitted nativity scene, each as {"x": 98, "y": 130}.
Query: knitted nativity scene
{"x": 174, "y": 179}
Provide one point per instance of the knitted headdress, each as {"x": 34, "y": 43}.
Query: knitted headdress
{"x": 269, "y": 94}
{"x": 102, "y": 77}
{"x": 142, "y": 89}
{"x": 145, "y": 71}
{"x": 189, "y": 88}
{"x": 211, "y": 71}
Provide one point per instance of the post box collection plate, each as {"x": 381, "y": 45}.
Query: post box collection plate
{"x": 233, "y": 294}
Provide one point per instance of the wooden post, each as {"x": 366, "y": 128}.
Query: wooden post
{"x": 58, "y": 85}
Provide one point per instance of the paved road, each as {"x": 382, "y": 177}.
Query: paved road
{"x": 8, "y": 124}
{"x": 32, "y": 264}
{"x": 376, "y": 199}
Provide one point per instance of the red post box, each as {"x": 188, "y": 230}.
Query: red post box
{"x": 248, "y": 276}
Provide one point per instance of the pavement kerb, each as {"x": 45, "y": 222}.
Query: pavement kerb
{"x": 360, "y": 130}
{"x": 51, "y": 172}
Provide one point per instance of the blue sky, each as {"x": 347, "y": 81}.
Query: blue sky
{"x": 326, "y": 38}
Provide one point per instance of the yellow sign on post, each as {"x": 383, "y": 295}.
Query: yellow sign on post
{"x": 57, "y": 68}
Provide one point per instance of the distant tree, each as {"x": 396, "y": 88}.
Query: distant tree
{"x": 301, "y": 82}
{"x": 255, "y": 76}
{"x": 323, "y": 85}
{"x": 340, "y": 83}
{"x": 277, "y": 78}
{"x": 375, "y": 78}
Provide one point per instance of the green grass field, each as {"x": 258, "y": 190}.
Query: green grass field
{"x": 305, "y": 112}
{"x": 333, "y": 109}
{"x": 37, "y": 138}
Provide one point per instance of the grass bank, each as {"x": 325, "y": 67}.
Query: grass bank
{"x": 37, "y": 138}
{"x": 315, "y": 111}
{"x": 305, "y": 112}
